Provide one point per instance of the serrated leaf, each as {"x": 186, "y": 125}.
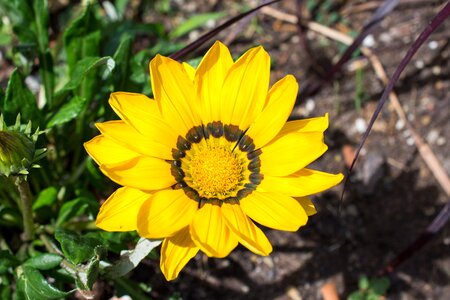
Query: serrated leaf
{"x": 75, "y": 247}
{"x": 36, "y": 287}
{"x": 46, "y": 197}
{"x": 45, "y": 261}
{"x": 67, "y": 112}
{"x": 194, "y": 22}
{"x": 130, "y": 259}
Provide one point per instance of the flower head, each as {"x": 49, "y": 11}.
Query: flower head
{"x": 17, "y": 148}
{"x": 211, "y": 155}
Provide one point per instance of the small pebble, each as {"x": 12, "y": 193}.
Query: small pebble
{"x": 441, "y": 141}
{"x": 210, "y": 24}
{"x": 400, "y": 124}
{"x": 436, "y": 70}
{"x": 385, "y": 37}
{"x": 360, "y": 125}
{"x": 295, "y": 39}
{"x": 410, "y": 141}
{"x": 310, "y": 105}
{"x": 433, "y": 45}
{"x": 419, "y": 64}
{"x": 432, "y": 136}
{"x": 194, "y": 34}
{"x": 369, "y": 41}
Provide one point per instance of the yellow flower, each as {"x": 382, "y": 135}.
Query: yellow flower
{"x": 208, "y": 157}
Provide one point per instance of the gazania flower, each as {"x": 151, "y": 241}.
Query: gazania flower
{"x": 207, "y": 158}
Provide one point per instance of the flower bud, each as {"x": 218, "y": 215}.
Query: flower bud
{"x": 16, "y": 152}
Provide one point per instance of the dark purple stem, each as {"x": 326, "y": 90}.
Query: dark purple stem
{"x": 207, "y": 36}
{"x": 442, "y": 218}
{"x": 439, "y": 221}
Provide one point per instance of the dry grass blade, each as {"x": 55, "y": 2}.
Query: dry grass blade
{"x": 424, "y": 149}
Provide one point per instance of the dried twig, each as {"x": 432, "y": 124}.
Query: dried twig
{"x": 424, "y": 149}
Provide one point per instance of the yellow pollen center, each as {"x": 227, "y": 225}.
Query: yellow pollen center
{"x": 215, "y": 171}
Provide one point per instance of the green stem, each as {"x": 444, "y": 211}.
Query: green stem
{"x": 26, "y": 200}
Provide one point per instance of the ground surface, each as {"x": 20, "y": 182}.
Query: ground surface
{"x": 393, "y": 195}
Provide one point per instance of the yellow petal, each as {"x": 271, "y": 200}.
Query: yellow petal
{"x": 104, "y": 151}
{"x": 190, "y": 71}
{"x": 130, "y": 138}
{"x": 175, "y": 93}
{"x": 176, "y": 251}
{"x": 302, "y": 183}
{"x": 280, "y": 101}
{"x": 210, "y": 232}
{"x": 209, "y": 80}
{"x": 274, "y": 210}
{"x": 318, "y": 124}
{"x": 245, "y": 88}
{"x": 120, "y": 210}
{"x": 307, "y": 204}
{"x": 291, "y": 152}
{"x": 167, "y": 212}
{"x": 143, "y": 114}
{"x": 249, "y": 235}
{"x": 143, "y": 172}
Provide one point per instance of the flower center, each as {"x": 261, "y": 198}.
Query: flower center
{"x": 214, "y": 171}
{"x": 216, "y": 162}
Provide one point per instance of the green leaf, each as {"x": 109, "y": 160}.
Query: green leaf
{"x": 85, "y": 203}
{"x": 9, "y": 216}
{"x": 5, "y": 288}
{"x": 75, "y": 247}
{"x": 122, "y": 59}
{"x": 82, "y": 69}
{"x": 380, "y": 285}
{"x": 130, "y": 259}
{"x": 41, "y": 18}
{"x": 76, "y": 38}
{"x": 44, "y": 261}
{"x": 19, "y": 99}
{"x": 363, "y": 283}
{"x": 87, "y": 276}
{"x": 7, "y": 260}
{"x": 356, "y": 296}
{"x": 36, "y": 287}
{"x": 194, "y": 22}
{"x": 71, "y": 209}
{"x": 45, "y": 198}
{"x": 67, "y": 112}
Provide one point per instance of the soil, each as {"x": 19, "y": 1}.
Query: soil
{"x": 392, "y": 195}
